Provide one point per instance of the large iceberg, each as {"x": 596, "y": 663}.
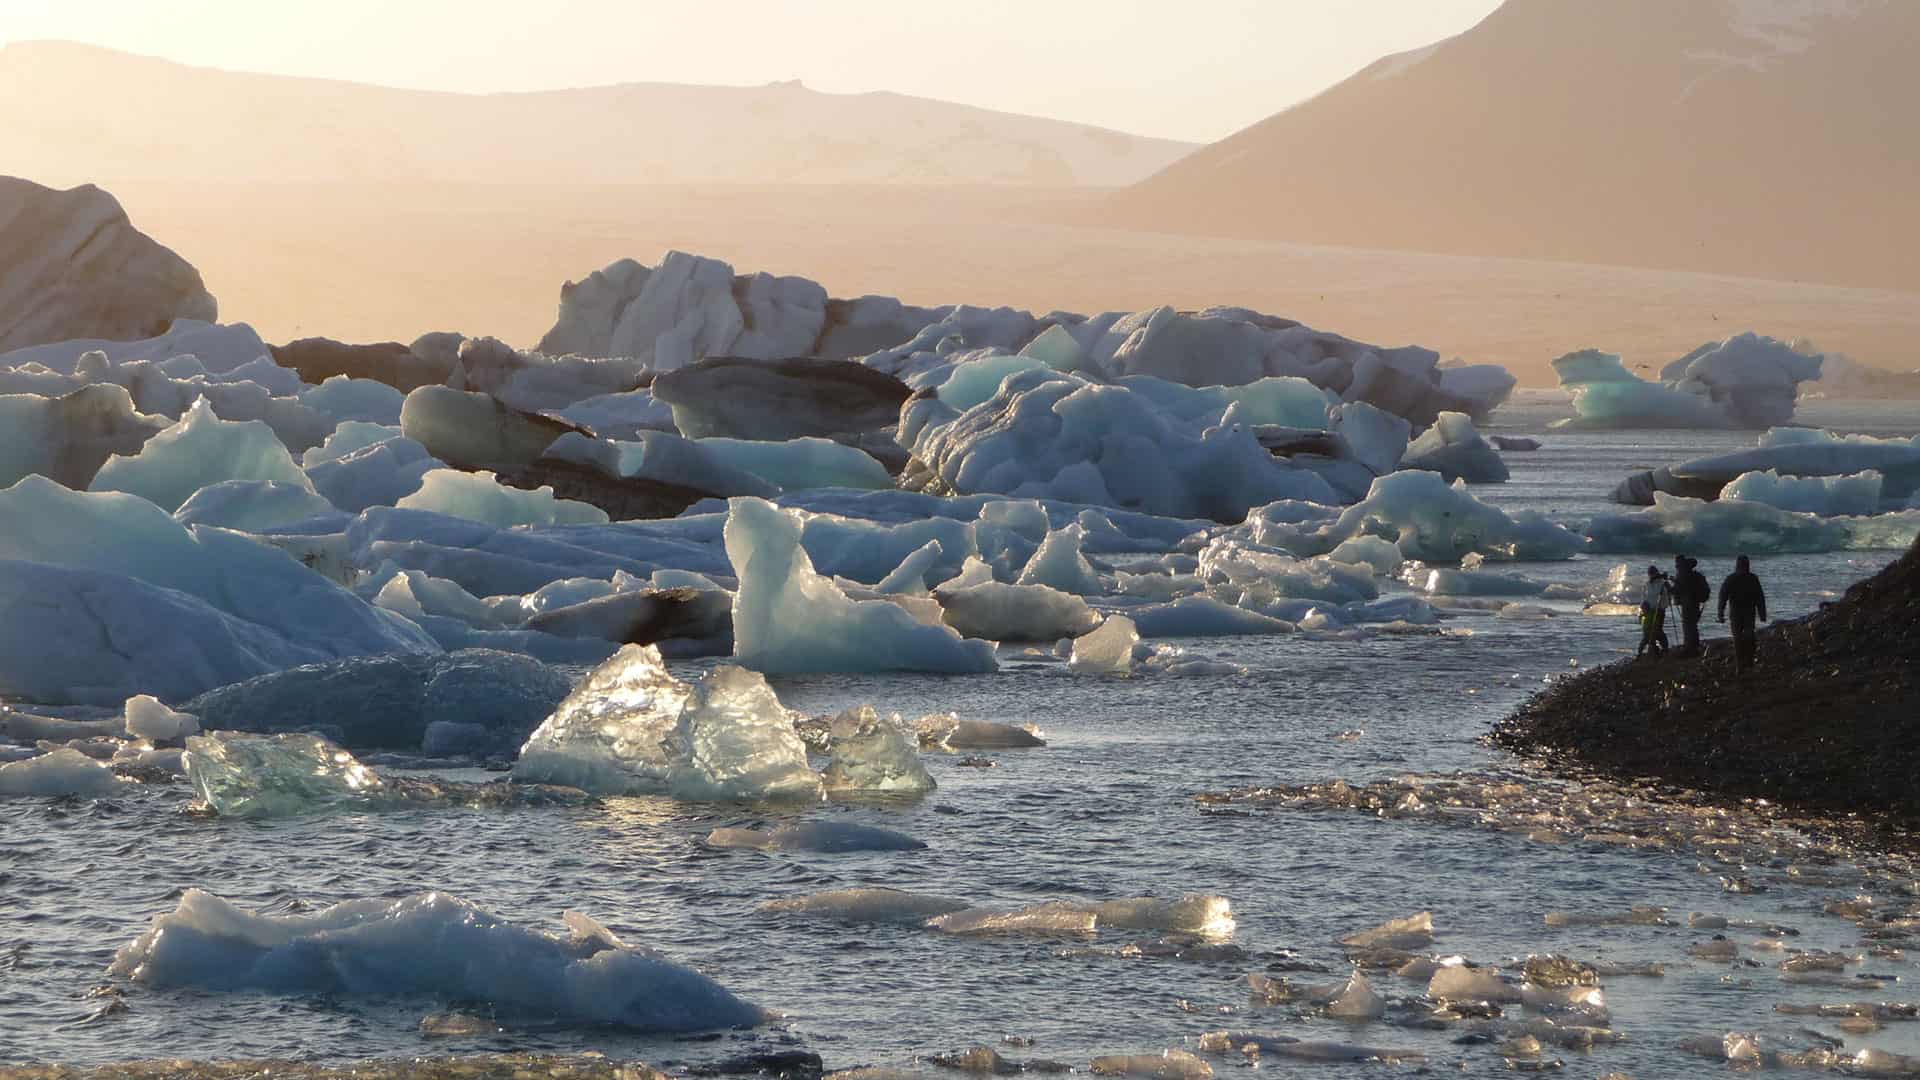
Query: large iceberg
{"x": 1746, "y": 381}
{"x": 432, "y": 945}
{"x": 787, "y": 618}
{"x": 68, "y": 438}
{"x": 201, "y": 449}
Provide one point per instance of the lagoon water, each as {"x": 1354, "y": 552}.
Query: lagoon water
{"x": 1106, "y": 810}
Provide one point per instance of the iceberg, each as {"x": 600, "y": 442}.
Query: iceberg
{"x": 478, "y": 496}
{"x": 377, "y": 475}
{"x": 63, "y": 771}
{"x": 199, "y": 450}
{"x": 789, "y": 619}
{"x": 1428, "y": 519}
{"x": 1855, "y": 495}
{"x": 216, "y": 347}
{"x": 68, "y": 438}
{"x": 1203, "y": 616}
{"x": 1809, "y": 454}
{"x": 432, "y": 945}
{"x": 778, "y": 399}
{"x": 147, "y": 718}
{"x": 609, "y": 735}
{"x": 801, "y": 463}
{"x": 734, "y": 741}
{"x": 1058, "y": 564}
{"x": 1452, "y": 448}
{"x": 1107, "y": 650}
{"x": 255, "y": 776}
{"x": 1733, "y": 527}
{"x": 349, "y": 399}
{"x": 255, "y": 506}
{"x": 872, "y": 754}
{"x": 1746, "y": 381}
{"x": 476, "y": 430}
{"x": 347, "y": 437}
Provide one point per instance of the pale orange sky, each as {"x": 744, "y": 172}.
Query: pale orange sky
{"x": 1191, "y": 69}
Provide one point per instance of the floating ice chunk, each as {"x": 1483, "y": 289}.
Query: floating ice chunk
{"x": 479, "y": 497}
{"x": 1409, "y": 934}
{"x": 200, "y": 449}
{"x": 999, "y": 612}
{"x": 1106, "y": 651}
{"x": 1173, "y": 1064}
{"x": 349, "y": 399}
{"x": 945, "y": 731}
{"x": 824, "y": 836}
{"x": 1054, "y": 347}
{"x": 64, "y": 771}
{"x": 474, "y": 429}
{"x": 254, "y": 505}
{"x": 146, "y": 718}
{"x": 415, "y": 594}
{"x": 973, "y": 572}
{"x": 378, "y": 475}
{"x": 1207, "y": 916}
{"x": 1267, "y": 576}
{"x": 609, "y": 735}
{"x": 1745, "y": 381}
{"x": 1060, "y": 565}
{"x": 872, "y": 753}
{"x": 1376, "y": 438}
{"x": 1452, "y": 448}
{"x": 350, "y": 436}
{"x": 1356, "y": 1000}
{"x": 1857, "y": 495}
{"x": 1731, "y": 527}
{"x": 1446, "y": 582}
{"x": 977, "y": 378}
{"x": 68, "y": 438}
{"x": 258, "y": 776}
{"x": 911, "y": 575}
{"x": 1607, "y": 395}
{"x": 734, "y": 741}
{"x": 1429, "y": 519}
{"x": 1052, "y": 917}
{"x": 797, "y": 464}
{"x": 1459, "y": 982}
{"x": 867, "y": 906}
{"x": 429, "y": 944}
{"x": 1383, "y": 556}
{"x": 787, "y": 618}
{"x": 1203, "y": 616}
{"x": 620, "y": 416}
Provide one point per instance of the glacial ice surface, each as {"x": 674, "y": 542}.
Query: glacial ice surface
{"x": 1452, "y": 448}
{"x": 255, "y": 506}
{"x": 435, "y": 945}
{"x": 873, "y": 754}
{"x": 997, "y": 612}
{"x": 63, "y": 771}
{"x": 734, "y": 741}
{"x": 609, "y": 735}
{"x": 477, "y": 496}
{"x": 199, "y": 450}
{"x": 259, "y": 776}
{"x": 866, "y": 905}
{"x": 1856, "y": 495}
{"x": 1108, "y": 650}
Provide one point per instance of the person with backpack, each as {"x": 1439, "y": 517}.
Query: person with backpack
{"x": 1691, "y": 592}
{"x": 1653, "y": 614}
{"x": 1742, "y": 592}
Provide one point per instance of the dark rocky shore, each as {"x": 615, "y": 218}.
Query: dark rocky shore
{"x": 1828, "y": 721}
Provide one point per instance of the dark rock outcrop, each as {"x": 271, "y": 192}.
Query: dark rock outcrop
{"x": 1828, "y": 720}
{"x": 73, "y": 266}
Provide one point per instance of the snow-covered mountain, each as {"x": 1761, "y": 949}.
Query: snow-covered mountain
{"x": 74, "y": 113}
{"x": 1773, "y": 138}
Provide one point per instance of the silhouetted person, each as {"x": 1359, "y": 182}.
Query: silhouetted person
{"x": 1653, "y": 613}
{"x": 1741, "y": 591}
{"x": 1691, "y": 592}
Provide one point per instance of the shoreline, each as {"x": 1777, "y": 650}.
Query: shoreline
{"x": 1827, "y": 722}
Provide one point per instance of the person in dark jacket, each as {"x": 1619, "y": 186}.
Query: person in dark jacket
{"x": 1691, "y": 592}
{"x": 1741, "y": 591}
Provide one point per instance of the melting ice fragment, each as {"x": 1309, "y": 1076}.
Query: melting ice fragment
{"x": 435, "y": 945}
{"x": 251, "y": 776}
{"x": 1356, "y": 1000}
{"x": 1207, "y": 916}
{"x": 872, "y": 753}
{"x": 734, "y": 741}
{"x": 1408, "y": 934}
{"x": 608, "y": 735}
{"x": 147, "y": 718}
{"x": 867, "y": 906}
{"x": 199, "y": 450}
{"x": 1106, "y": 651}
{"x": 1173, "y": 1064}
{"x": 824, "y": 836}
{"x": 1052, "y": 917}
{"x": 64, "y": 771}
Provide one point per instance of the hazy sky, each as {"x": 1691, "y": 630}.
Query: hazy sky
{"x": 1189, "y": 69}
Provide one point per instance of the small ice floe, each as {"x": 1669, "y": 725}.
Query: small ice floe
{"x": 873, "y": 755}
{"x": 822, "y": 836}
{"x": 1638, "y": 915}
{"x": 64, "y": 771}
{"x": 1107, "y": 650}
{"x": 867, "y": 906}
{"x": 147, "y": 718}
{"x": 1204, "y": 916}
{"x": 1461, "y": 982}
{"x": 1052, "y": 917}
{"x": 1172, "y": 1064}
{"x": 1355, "y": 1000}
{"x": 946, "y": 731}
{"x": 434, "y": 945}
{"x": 1406, "y": 934}
{"x": 1256, "y": 1045}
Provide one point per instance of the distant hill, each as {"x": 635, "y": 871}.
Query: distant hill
{"x": 74, "y": 113}
{"x": 1770, "y": 138}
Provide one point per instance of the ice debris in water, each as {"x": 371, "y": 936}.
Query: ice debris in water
{"x": 872, "y": 753}
{"x": 251, "y": 776}
{"x": 147, "y": 718}
{"x": 608, "y": 736}
{"x": 734, "y": 741}
{"x": 64, "y": 771}
{"x": 947, "y": 731}
{"x": 787, "y": 618}
{"x": 478, "y": 496}
{"x": 1356, "y": 1000}
{"x": 1052, "y": 917}
{"x": 1059, "y": 564}
{"x": 1255, "y": 1045}
{"x": 1408, "y": 934}
{"x": 1106, "y": 651}
{"x": 1207, "y": 916}
{"x": 867, "y": 906}
{"x": 1173, "y": 1064}
{"x": 435, "y": 945}
{"x": 823, "y": 836}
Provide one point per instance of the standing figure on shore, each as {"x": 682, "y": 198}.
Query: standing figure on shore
{"x": 1690, "y": 591}
{"x": 1653, "y": 614}
{"x": 1742, "y": 592}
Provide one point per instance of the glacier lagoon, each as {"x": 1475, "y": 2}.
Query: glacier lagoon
{"x": 1106, "y": 810}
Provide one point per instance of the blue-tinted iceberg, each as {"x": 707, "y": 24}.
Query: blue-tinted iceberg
{"x": 201, "y": 449}
{"x": 1746, "y": 381}
{"x": 429, "y": 945}
{"x": 1856, "y": 495}
{"x": 477, "y": 496}
{"x": 734, "y": 741}
{"x": 1732, "y": 527}
{"x": 1452, "y": 448}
